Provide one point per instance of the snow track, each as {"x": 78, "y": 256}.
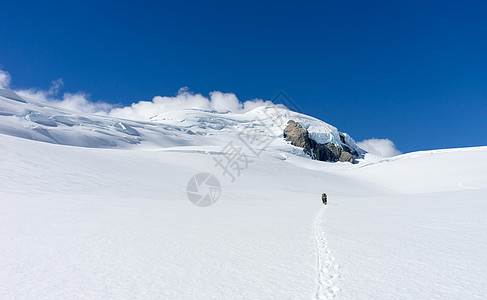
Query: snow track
{"x": 327, "y": 266}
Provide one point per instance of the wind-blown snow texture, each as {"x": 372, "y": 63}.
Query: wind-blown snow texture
{"x": 102, "y": 222}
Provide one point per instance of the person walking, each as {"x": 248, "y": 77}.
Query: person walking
{"x": 324, "y": 198}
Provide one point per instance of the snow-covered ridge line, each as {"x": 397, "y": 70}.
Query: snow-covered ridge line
{"x": 188, "y": 127}
{"x": 371, "y": 159}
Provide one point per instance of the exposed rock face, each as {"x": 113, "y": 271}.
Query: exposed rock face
{"x": 299, "y": 137}
{"x": 296, "y": 134}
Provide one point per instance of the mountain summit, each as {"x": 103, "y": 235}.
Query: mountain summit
{"x": 186, "y": 127}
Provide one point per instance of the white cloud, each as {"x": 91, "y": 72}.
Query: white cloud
{"x": 4, "y": 79}
{"x": 218, "y": 101}
{"x": 225, "y": 102}
{"x": 381, "y": 147}
{"x": 77, "y": 102}
{"x": 56, "y": 85}
{"x": 142, "y": 110}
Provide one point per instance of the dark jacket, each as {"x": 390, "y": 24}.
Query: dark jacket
{"x": 324, "y": 199}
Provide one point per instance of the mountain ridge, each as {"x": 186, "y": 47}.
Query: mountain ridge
{"x": 187, "y": 127}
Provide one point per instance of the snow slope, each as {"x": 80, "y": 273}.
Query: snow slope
{"x": 114, "y": 222}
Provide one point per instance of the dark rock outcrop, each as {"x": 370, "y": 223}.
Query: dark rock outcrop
{"x": 299, "y": 137}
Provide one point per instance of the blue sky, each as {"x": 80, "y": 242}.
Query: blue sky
{"x": 411, "y": 71}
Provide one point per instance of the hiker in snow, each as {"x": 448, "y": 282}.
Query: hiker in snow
{"x": 323, "y": 198}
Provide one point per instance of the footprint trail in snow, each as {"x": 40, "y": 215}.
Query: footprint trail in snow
{"x": 327, "y": 266}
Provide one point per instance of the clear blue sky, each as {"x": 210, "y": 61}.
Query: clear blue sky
{"x": 411, "y": 71}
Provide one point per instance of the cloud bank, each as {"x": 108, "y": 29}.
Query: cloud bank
{"x": 218, "y": 101}
{"x": 142, "y": 110}
{"x": 381, "y": 147}
{"x": 76, "y": 102}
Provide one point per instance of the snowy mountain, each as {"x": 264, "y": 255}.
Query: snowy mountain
{"x": 98, "y": 207}
{"x": 186, "y": 127}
